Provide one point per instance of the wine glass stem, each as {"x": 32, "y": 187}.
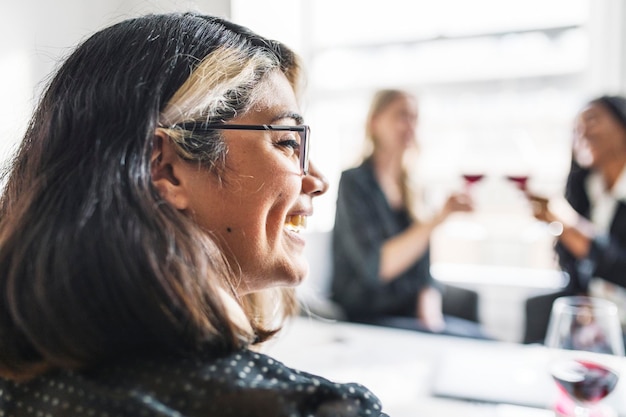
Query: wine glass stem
{"x": 580, "y": 411}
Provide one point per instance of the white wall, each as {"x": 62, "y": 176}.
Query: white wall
{"x": 607, "y": 29}
{"x": 35, "y": 35}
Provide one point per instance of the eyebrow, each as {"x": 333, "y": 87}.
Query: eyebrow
{"x": 288, "y": 115}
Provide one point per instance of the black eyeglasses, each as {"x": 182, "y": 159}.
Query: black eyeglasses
{"x": 302, "y": 130}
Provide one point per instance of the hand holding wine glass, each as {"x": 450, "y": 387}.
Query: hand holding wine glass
{"x": 541, "y": 208}
{"x": 559, "y": 215}
{"x": 456, "y": 202}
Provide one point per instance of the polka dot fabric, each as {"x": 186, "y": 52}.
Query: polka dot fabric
{"x": 242, "y": 384}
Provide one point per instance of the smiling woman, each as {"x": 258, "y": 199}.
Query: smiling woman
{"x": 150, "y": 214}
{"x": 260, "y": 192}
{"x": 591, "y": 223}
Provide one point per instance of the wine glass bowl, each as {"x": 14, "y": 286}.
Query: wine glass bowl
{"x": 584, "y": 381}
{"x": 585, "y": 324}
{"x": 520, "y": 181}
{"x": 471, "y": 179}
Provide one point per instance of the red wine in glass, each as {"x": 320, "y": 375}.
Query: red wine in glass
{"x": 586, "y": 382}
{"x": 471, "y": 179}
{"x": 519, "y": 180}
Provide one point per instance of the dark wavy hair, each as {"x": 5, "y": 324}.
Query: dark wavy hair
{"x": 94, "y": 264}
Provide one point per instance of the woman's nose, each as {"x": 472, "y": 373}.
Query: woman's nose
{"x": 314, "y": 183}
{"x": 582, "y": 128}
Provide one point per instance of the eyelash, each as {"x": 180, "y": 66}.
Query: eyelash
{"x": 291, "y": 143}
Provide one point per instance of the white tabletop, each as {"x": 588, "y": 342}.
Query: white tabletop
{"x": 400, "y": 366}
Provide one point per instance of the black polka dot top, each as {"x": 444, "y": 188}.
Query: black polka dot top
{"x": 241, "y": 384}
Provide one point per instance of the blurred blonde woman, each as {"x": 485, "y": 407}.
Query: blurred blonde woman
{"x": 381, "y": 256}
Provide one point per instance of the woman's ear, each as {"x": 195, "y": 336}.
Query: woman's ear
{"x": 165, "y": 165}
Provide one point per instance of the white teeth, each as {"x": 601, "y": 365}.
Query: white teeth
{"x": 292, "y": 228}
{"x": 295, "y": 223}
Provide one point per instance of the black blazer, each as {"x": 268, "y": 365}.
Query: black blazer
{"x": 607, "y": 255}
{"x": 363, "y": 221}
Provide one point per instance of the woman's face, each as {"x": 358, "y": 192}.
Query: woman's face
{"x": 394, "y": 128}
{"x": 598, "y": 137}
{"x": 259, "y": 205}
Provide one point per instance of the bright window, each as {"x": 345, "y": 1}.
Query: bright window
{"x": 498, "y": 84}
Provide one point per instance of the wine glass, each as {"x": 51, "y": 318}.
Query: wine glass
{"x": 520, "y": 181}
{"x": 584, "y": 324}
{"x": 471, "y": 179}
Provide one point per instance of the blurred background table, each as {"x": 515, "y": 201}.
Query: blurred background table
{"x": 400, "y": 366}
